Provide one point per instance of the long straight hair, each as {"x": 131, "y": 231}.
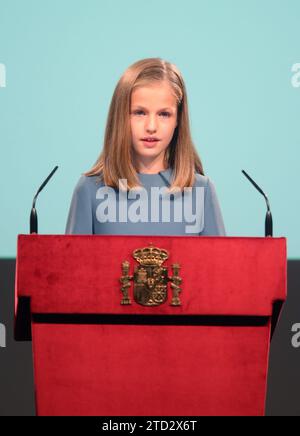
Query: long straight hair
{"x": 115, "y": 161}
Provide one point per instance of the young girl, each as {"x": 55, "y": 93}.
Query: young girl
{"x": 148, "y": 179}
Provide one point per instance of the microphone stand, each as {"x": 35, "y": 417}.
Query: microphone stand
{"x": 33, "y": 213}
{"x": 268, "y": 221}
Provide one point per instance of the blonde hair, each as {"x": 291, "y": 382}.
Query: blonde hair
{"x": 115, "y": 161}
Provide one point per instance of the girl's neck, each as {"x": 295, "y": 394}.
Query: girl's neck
{"x": 153, "y": 168}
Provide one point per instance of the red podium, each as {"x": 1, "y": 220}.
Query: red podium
{"x": 96, "y": 356}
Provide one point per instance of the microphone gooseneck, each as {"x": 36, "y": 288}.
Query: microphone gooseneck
{"x": 268, "y": 220}
{"x": 33, "y": 213}
{"x": 164, "y": 179}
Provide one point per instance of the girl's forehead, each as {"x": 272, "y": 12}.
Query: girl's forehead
{"x": 158, "y": 94}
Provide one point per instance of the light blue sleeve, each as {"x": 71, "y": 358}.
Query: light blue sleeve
{"x": 80, "y": 219}
{"x": 213, "y": 220}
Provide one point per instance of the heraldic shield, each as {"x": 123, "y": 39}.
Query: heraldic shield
{"x": 150, "y": 278}
{"x": 150, "y": 285}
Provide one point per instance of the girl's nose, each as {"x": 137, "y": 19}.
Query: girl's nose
{"x": 151, "y": 124}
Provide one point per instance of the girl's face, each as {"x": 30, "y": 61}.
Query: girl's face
{"x": 153, "y": 115}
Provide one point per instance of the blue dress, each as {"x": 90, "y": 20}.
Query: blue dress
{"x": 97, "y": 209}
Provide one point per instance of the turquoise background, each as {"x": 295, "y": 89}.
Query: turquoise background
{"x": 63, "y": 60}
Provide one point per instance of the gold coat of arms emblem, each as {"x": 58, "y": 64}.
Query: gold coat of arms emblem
{"x": 150, "y": 278}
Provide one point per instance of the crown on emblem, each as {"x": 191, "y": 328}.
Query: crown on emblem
{"x": 150, "y": 255}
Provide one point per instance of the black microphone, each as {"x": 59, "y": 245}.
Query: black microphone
{"x": 268, "y": 221}
{"x": 33, "y": 214}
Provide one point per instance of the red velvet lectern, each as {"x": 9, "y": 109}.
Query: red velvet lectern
{"x": 96, "y": 356}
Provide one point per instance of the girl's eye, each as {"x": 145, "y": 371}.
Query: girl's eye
{"x": 165, "y": 114}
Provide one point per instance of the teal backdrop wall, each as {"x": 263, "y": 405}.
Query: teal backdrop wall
{"x": 60, "y": 62}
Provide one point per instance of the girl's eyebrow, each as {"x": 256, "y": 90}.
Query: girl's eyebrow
{"x": 163, "y": 109}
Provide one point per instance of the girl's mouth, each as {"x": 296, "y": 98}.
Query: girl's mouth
{"x": 150, "y": 142}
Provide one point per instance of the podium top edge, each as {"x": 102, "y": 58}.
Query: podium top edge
{"x": 22, "y": 235}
